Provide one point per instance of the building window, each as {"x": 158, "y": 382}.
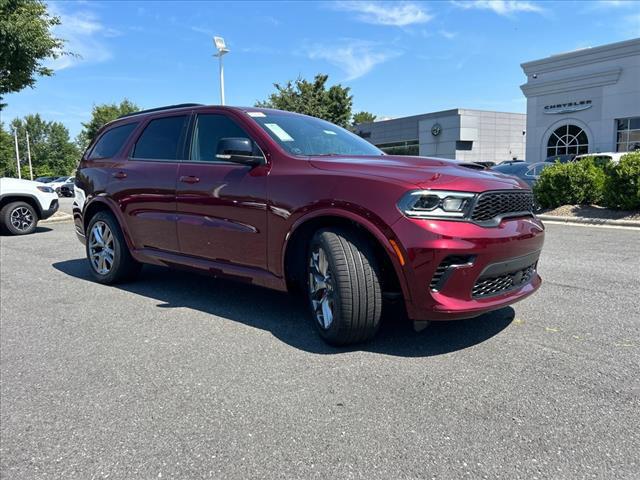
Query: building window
{"x": 628, "y": 134}
{"x": 408, "y": 147}
{"x": 464, "y": 145}
{"x": 568, "y": 139}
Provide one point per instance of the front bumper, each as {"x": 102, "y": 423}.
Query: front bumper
{"x": 485, "y": 260}
{"x": 53, "y": 208}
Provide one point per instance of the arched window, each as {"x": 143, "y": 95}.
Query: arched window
{"x": 567, "y": 139}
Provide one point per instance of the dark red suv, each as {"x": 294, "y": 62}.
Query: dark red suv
{"x": 292, "y": 202}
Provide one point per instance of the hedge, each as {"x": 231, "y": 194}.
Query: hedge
{"x": 585, "y": 183}
{"x": 622, "y": 183}
{"x": 571, "y": 183}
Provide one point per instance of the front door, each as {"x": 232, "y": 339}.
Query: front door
{"x": 144, "y": 185}
{"x": 221, "y": 206}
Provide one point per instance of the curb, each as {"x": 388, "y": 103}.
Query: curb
{"x": 590, "y": 221}
{"x": 65, "y": 217}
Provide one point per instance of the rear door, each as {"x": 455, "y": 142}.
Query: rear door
{"x": 144, "y": 185}
{"x": 221, "y": 206}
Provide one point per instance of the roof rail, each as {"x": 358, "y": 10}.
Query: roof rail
{"x": 157, "y": 109}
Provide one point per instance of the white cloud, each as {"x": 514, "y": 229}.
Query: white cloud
{"x": 501, "y": 7}
{"x": 617, "y": 3}
{"x": 84, "y": 35}
{"x": 398, "y": 14}
{"x": 355, "y": 57}
{"x": 448, "y": 35}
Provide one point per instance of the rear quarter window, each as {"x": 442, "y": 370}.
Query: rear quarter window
{"x": 111, "y": 141}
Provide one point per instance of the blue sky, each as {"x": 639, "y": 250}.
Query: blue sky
{"x": 398, "y": 58}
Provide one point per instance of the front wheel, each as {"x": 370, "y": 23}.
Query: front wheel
{"x": 107, "y": 252}
{"x": 18, "y": 218}
{"x": 344, "y": 287}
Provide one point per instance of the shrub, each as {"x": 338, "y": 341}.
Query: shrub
{"x": 573, "y": 183}
{"x": 622, "y": 184}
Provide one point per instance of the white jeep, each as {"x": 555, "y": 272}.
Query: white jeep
{"x": 23, "y": 203}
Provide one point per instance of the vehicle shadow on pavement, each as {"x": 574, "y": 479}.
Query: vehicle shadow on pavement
{"x": 286, "y": 317}
{"x": 36, "y": 231}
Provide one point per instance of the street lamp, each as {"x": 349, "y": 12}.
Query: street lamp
{"x": 222, "y": 49}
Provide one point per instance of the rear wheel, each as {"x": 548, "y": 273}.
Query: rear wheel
{"x": 107, "y": 252}
{"x": 18, "y": 218}
{"x": 344, "y": 287}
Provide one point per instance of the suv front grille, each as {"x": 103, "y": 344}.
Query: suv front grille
{"x": 493, "y": 204}
{"x": 485, "y": 287}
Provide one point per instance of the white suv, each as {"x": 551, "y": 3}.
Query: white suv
{"x": 23, "y": 203}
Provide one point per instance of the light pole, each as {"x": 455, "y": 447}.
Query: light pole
{"x": 222, "y": 50}
{"x": 15, "y": 136}
{"x": 29, "y": 156}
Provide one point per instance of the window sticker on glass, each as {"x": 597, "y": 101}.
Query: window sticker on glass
{"x": 279, "y": 132}
{"x": 329, "y": 132}
{"x": 256, "y": 114}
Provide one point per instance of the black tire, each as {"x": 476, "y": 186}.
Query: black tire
{"x": 354, "y": 283}
{"x": 18, "y": 218}
{"x": 123, "y": 266}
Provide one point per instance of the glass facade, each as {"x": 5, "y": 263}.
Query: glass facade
{"x": 628, "y": 134}
{"x": 568, "y": 139}
{"x": 408, "y": 147}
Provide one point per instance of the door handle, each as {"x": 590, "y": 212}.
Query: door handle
{"x": 120, "y": 175}
{"x": 189, "y": 179}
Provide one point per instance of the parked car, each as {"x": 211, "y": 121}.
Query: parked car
{"x": 292, "y": 202}
{"x": 23, "y": 203}
{"x": 527, "y": 172}
{"x": 58, "y": 182}
{"x": 45, "y": 179}
{"x": 602, "y": 158}
{"x": 486, "y": 164}
{"x": 510, "y": 162}
{"x": 561, "y": 158}
{"x": 66, "y": 189}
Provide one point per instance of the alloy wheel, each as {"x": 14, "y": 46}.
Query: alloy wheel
{"x": 22, "y": 219}
{"x": 101, "y": 248}
{"x": 321, "y": 288}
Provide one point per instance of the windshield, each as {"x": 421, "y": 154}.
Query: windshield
{"x": 302, "y": 135}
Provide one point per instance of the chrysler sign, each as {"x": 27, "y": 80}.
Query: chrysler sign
{"x": 567, "y": 107}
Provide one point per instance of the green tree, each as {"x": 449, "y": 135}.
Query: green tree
{"x": 362, "y": 117}
{"x": 26, "y": 41}
{"x": 313, "y": 98}
{"x": 100, "y": 116}
{"x": 52, "y": 152}
{"x": 7, "y": 154}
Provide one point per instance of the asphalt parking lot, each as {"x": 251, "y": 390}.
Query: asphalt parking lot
{"x": 182, "y": 376}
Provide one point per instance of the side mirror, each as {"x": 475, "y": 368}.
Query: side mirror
{"x": 238, "y": 150}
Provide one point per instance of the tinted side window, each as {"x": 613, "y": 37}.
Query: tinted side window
{"x": 111, "y": 141}
{"x": 161, "y": 139}
{"x": 207, "y": 132}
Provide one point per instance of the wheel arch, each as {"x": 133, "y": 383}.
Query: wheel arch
{"x": 294, "y": 249}
{"x": 30, "y": 199}
{"x": 102, "y": 204}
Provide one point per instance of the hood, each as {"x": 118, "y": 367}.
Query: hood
{"x": 18, "y": 183}
{"x": 423, "y": 172}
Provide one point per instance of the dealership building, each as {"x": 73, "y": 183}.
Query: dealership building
{"x": 586, "y": 101}
{"x": 462, "y": 134}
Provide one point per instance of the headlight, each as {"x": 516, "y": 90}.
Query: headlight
{"x": 45, "y": 189}
{"x": 436, "y": 204}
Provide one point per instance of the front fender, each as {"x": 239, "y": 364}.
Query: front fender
{"x": 362, "y": 217}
